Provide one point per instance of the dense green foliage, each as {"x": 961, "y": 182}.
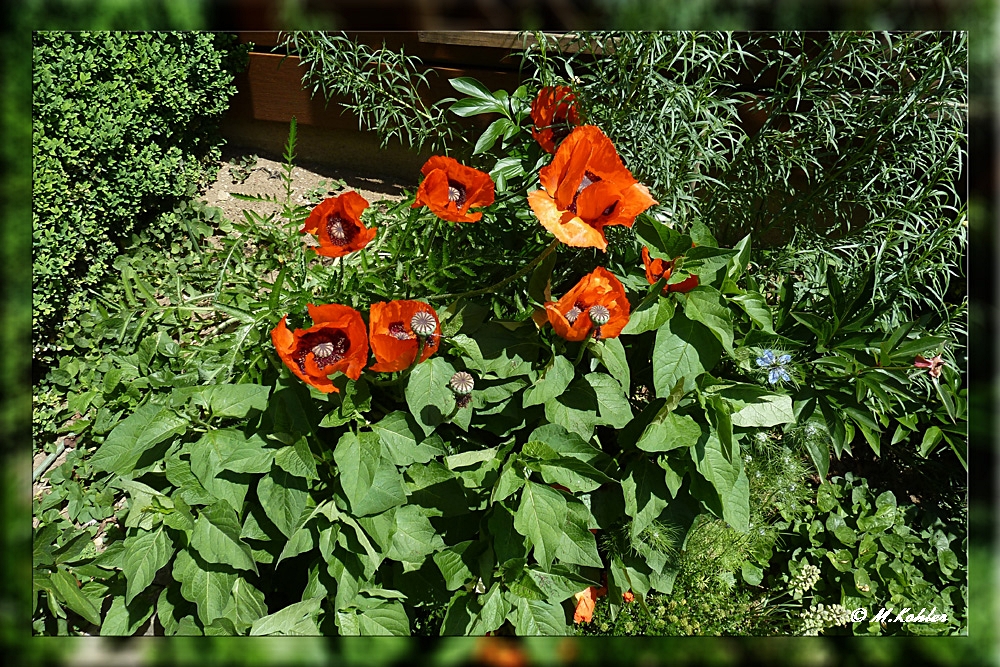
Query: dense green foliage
{"x": 124, "y": 127}
{"x": 688, "y": 463}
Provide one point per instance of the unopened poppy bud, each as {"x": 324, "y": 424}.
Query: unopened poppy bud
{"x": 462, "y": 383}
{"x": 423, "y": 323}
{"x": 599, "y": 315}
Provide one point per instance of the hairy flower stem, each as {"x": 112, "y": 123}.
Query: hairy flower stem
{"x": 506, "y": 281}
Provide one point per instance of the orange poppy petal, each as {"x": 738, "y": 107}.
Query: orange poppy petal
{"x": 565, "y": 226}
{"x": 598, "y": 198}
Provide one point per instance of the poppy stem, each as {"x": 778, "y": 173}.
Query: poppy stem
{"x": 503, "y": 283}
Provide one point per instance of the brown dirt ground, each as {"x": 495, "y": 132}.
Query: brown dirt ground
{"x": 265, "y": 179}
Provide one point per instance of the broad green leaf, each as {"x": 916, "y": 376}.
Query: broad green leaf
{"x": 297, "y": 460}
{"x": 566, "y": 443}
{"x": 753, "y": 406}
{"x": 415, "y": 538}
{"x": 283, "y": 497}
{"x": 246, "y": 605}
{"x": 470, "y": 458}
{"x": 386, "y": 619}
{"x": 69, "y": 593}
{"x": 216, "y": 537}
{"x": 508, "y": 482}
{"x": 576, "y": 409}
{"x": 235, "y": 400}
{"x": 738, "y": 263}
{"x": 613, "y": 406}
{"x": 145, "y": 554}
{"x": 428, "y": 395}
{"x": 754, "y": 305}
{"x": 386, "y": 490}
{"x": 708, "y": 263}
{"x": 453, "y": 565}
{"x": 295, "y": 619}
{"x": 230, "y": 450}
{"x": 930, "y": 440}
{"x": 357, "y": 459}
{"x": 611, "y": 354}
{"x": 540, "y": 517}
{"x": 683, "y": 349}
{"x": 474, "y": 88}
{"x": 122, "y": 620}
{"x": 576, "y": 475}
{"x": 400, "y": 435}
{"x": 178, "y": 472}
{"x": 538, "y": 617}
{"x": 491, "y": 134}
{"x": 646, "y": 494}
{"x": 649, "y": 316}
{"x": 148, "y": 426}
{"x": 209, "y": 588}
{"x": 578, "y": 546}
{"x": 553, "y": 382}
{"x": 668, "y": 431}
{"x": 724, "y": 471}
{"x": 493, "y": 612}
{"x": 704, "y": 304}
{"x": 561, "y": 582}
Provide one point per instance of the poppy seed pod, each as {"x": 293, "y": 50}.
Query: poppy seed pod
{"x": 423, "y": 323}
{"x": 462, "y": 383}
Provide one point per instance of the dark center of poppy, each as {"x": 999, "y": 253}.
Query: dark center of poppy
{"x": 398, "y": 331}
{"x": 327, "y": 348}
{"x": 575, "y": 312}
{"x": 339, "y": 230}
{"x": 456, "y": 192}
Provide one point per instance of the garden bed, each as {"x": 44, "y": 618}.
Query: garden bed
{"x": 618, "y": 364}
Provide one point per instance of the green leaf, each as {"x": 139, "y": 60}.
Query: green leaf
{"x": 754, "y": 305}
{"x": 230, "y": 450}
{"x": 473, "y": 88}
{"x": 491, "y": 134}
{"x": 753, "y": 406}
{"x": 415, "y": 538}
{"x": 683, "y": 349}
{"x": 578, "y": 545}
{"x": 400, "y": 435}
{"x": 576, "y": 409}
{"x": 145, "y": 554}
{"x": 246, "y": 605}
{"x": 216, "y": 537}
{"x": 613, "y": 406}
{"x": 455, "y": 565}
{"x": 931, "y": 439}
{"x": 428, "y": 395}
{"x": 554, "y": 380}
{"x": 208, "y": 588}
{"x": 297, "y": 460}
{"x": 538, "y": 617}
{"x": 470, "y": 458}
{"x": 669, "y": 431}
{"x": 295, "y": 619}
{"x": 386, "y": 619}
{"x": 646, "y": 494}
{"x": 283, "y": 497}
{"x": 611, "y": 354}
{"x": 650, "y": 315}
{"x": 708, "y": 263}
{"x": 576, "y": 475}
{"x": 386, "y": 490}
{"x": 540, "y": 517}
{"x": 567, "y": 444}
{"x": 724, "y": 471}
{"x": 738, "y": 263}
{"x": 357, "y": 460}
{"x": 148, "y": 426}
{"x": 493, "y": 613}
{"x": 122, "y": 620}
{"x": 235, "y": 400}
{"x": 704, "y": 304}
{"x": 69, "y": 594}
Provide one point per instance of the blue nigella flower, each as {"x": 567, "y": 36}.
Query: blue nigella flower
{"x": 775, "y": 366}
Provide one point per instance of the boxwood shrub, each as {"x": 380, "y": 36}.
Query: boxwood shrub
{"x": 124, "y": 125}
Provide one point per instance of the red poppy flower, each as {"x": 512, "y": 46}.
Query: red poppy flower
{"x": 658, "y": 268}
{"x": 450, "y": 189}
{"x": 587, "y": 188}
{"x": 598, "y": 296}
{"x": 554, "y": 114}
{"x": 628, "y": 596}
{"x": 336, "y": 222}
{"x": 393, "y": 340}
{"x": 337, "y": 341}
